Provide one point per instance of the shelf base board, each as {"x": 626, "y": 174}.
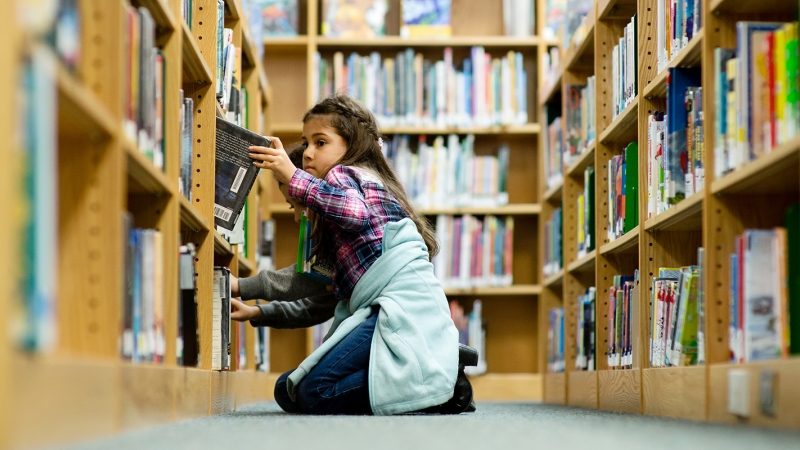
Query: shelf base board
{"x": 522, "y": 387}
{"x": 620, "y": 390}
{"x": 555, "y": 388}
{"x": 582, "y": 389}
{"x": 678, "y": 392}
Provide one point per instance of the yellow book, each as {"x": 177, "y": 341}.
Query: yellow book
{"x": 779, "y": 61}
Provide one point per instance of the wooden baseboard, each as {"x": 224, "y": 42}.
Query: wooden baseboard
{"x": 555, "y": 388}
{"x": 620, "y": 390}
{"x": 507, "y": 386}
{"x": 582, "y": 389}
{"x": 675, "y": 392}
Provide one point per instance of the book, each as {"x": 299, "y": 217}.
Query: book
{"x": 308, "y": 264}
{"x": 277, "y": 17}
{"x": 354, "y": 19}
{"x": 221, "y": 320}
{"x": 631, "y": 186}
{"x": 425, "y": 18}
{"x": 235, "y": 172}
{"x": 188, "y": 343}
{"x": 792, "y": 223}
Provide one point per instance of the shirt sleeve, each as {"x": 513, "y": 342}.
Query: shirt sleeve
{"x": 302, "y": 313}
{"x": 338, "y": 198}
{"x": 283, "y": 284}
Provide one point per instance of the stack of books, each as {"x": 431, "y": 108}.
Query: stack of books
{"x": 580, "y": 119}
{"x": 624, "y": 67}
{"x": 622, "y": 307}
{"x": 553, "y": 148}
{"x": 586, "y": 332}
{"x": 623, "y": 178}
{"x": 678, "y": 21}
{"x": 675, "y": 317}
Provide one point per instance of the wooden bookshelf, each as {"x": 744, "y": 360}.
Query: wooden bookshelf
{"x": 554, "y": 280}
{"x": 775, "y": 172}
{"x": 584, "y": 264}
{"x": 514, "y": 289}
{"x": 585, "y": 160}
{"x": 626, "y": 243}
{"x": 555, "y": 388}
{"x": 453, "y": 41}
{"x": 531, "y": 128}
{"x": 143, "y": 177}
{"x": 690, "y": 56}
{"x": 555, "y": 193}
{"x": 550, "y": 92}
{"x": 192, "y": 218}
{"x": 624, "y": 127}
{"x": 582, "y": 389}
{"x": 675, "y": 392}
{"x": 195, "y": 68}
{"x": 686, "y": 215}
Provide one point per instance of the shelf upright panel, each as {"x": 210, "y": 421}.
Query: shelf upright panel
{"x": 618, "y": 390}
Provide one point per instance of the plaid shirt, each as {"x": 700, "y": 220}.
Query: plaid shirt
{"x": 354, "y": 207}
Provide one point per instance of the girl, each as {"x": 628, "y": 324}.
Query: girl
{"x": 393, "y": 347}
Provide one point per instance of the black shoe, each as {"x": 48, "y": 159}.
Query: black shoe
{"x": 460, "y": 402}
{"x": 467, "y": 356}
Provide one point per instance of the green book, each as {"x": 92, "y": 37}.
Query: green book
{"x": 307, "y": 263}
{"x": 793, "y": 254}
{"x": 631, "y": 186}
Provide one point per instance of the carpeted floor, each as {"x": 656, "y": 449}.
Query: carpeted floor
{"x": 494, "y": 426}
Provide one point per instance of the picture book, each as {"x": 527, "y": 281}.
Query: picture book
{"x": 354, "y": 19}
{"x": 278, "y": 17}
{"x": 425, "y": 18}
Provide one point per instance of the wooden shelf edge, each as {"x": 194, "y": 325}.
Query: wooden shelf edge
{"x": 584, "y": 160}
{"x": 627, "y": 119}
{"x": 689, "y": 56}
{"x": 221, "y": 246}
{"x": 517, "y": 289}
{"x": 687, "y": 208}
{"x": 678, "y": 392}
{"x": 195, "y": 69}
{"x": 555, "y": 388}
{"x": 507, "y": 386}
{"x": 546, "y": 96}
{"x": 450, "y": 41}
{"x": 574, "y": 52}
{"x": 584, "y": 263}
{"x": 233, "y": 7}
{"x": 144, "y": 172}
{"x": 77, "y": 101}
{"x": 249, "y": 266}
{"x": 555, "y": 192}
{"x": 161, "y": 14}
{"x": 191, "y": 217}
{"x": 530, "y": 128}
{"x": 744, "y": 177}
{"x": 621, "y": 244}
{"x": 554, "y": 280}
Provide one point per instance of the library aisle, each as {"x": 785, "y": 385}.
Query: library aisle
{"x": 505, "y": 426}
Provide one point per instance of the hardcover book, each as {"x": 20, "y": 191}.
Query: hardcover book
{"x": 425, "y": 18}
{"x": 235, "y": 171}
{"x": 354, "y": 19}
{"x": 278, "y": 17}
{"x": 309, "y": 264}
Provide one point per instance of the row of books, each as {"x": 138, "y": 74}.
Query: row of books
{"x": 676, "y": 143}
{"x": 623, "y": 208}
{"x": 581, "y": 130}
{"x": 221, "y": 319}
{"x": 474, "y": 252}
{"x": 552, "y": 66}
{"x": 763, "y": 293}
{"x": 622, "y": 308}
{"x": 758, "y": 85}
{"x": 585, "y": 211}
{"x": 624, "y": 67}
{"x": 676, "y": 317}
{"x": 555, "y": 19}
{"x": 449, "y": 174}
{"x": 64, "y": 34}
{"x": 412, "y": 90}
{"x": 678, "y": 21}
{"x": 586, "y": 332}
{"x": 187, "y": 146}
{"x": 553, "y": 147}
{"x": 144, "y": 85}
{"x": 555, "y": 340}
{"x": 188, "y": 344}
{"x": 576, "y": 26}
{"x": 471, "y": 331}
{"x": 553, "y": 257}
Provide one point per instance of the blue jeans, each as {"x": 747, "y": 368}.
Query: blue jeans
{"x": 339, "y": 383}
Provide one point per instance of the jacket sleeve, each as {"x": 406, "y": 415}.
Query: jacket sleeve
{"x": 283, "y": 284}
{"x": 301, "y": 313}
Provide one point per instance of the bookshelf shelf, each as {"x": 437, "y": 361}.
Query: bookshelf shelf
{"x": 675, "y": 392}
{"x": 516, "y": 289}
{"x": 280, "y": 208}
{"x": 508, "y": 386}
{"x": 555, "y": 193}
{"x": 554, "y": 280}
{"x": 620, "y": 390}
{"x": 287, "y": 43}
{"x": 549, "y": 93}
{"x": 775, "y": 172}
{"x": 785, "y": 392}
{"x": 161, "y": 14}
{"x": 624, "y": 244}
{"x": 584, "y": 160}
{"x": 555, "y": 388}
{"x": 690, "y": 56}
{"x": 232, "y": 9}
{"x": 452, "y": 41}
{"x": 221, "y": 246}
{"x": 581, "y": 56}
{"x": 685, "y": 216}
{"x": 585, "y": 264}
{"x": 520, "y": 209}
{"x": 582, "y": 389}
{"x": 219, "y": 111}
{"x": 195, "y": 69}
{"x": 143, "y": 177}
{"x": 623, "y": 129}
{"x": 746, "y": 7}
{"x": 249, "y": 52}
{"x": 247, "y": 268}
{"x": 530, "y": 128}
{"x": 616, "y": 9}
{"x": 191, "y": 217}
{"x": 80, "y": 113}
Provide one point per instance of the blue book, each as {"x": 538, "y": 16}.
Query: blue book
{"x": 678, "y": 81}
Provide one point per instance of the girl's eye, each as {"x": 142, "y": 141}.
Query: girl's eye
{"x": 320, "y": 143}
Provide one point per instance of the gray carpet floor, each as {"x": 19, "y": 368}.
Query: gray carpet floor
{"x": 494, "y": 426}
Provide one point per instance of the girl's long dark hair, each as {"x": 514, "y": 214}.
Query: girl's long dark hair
{"x": 359, "y": 129}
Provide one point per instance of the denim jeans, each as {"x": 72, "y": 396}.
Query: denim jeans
{"x": 339, "y": 383}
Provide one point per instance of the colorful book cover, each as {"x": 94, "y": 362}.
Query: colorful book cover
{"x": 307, "y": 263}
{"x": 278, "y": 17}
{"x": 354, "y": 19}
{"x": 425, "y": 18}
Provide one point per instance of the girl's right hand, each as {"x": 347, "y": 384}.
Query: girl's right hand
{"x": 275, "y": 159}
{"x": 241, "y": 312}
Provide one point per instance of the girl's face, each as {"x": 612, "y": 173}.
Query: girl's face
{"x": 297, "y": 208}
{"x": 324, "y": 148}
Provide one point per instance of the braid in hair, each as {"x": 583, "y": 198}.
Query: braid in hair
{"x": 359, "y": 129}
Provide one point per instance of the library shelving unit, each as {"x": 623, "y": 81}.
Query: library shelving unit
{"x": 511, "y": 313}
{"x": 755, "y": 195}
{"x": 82, "y": 388}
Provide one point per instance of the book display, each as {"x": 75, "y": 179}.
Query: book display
{"x": 112, "y": 184}
{"x": 694, "y": 225}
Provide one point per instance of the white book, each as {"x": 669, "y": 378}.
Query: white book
{"x": 216, "y": 321}
{"x": 762, "y": 339}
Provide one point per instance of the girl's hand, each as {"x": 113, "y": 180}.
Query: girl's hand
{"x": 275, "y": 159}
{"x": 241, "y": 312}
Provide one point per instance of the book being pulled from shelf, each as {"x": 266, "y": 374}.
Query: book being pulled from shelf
{"x": 622, "y": 308}
{"x": 623, "y": 210}
{"x": 624, "y": 68}
{"x": 411, "y": 90}
{"x": 143, "y": 304}
{"x": 580, "y": 119}
{"x": 553, "y": 146}
{"x": 555, "y": 340}
{"x": 354, "y": 19}
{"x": 678, "y": 21}
{"x": 188, "y": 341}
{"x": 33, "y": 312}
{"x": 471, "y": 331}
{"x": 235, "y": 171}
{"x": 425, "y": 18}
{"x": 585, "y": 209}
{"x": 221, "y": 320}
{"x": 276, "y": 18}
{"x": 145, "y": 87}
{"x": 586, "y": 332}
{"x": 309, "y": 264}
{"x": 448, "y": 173}
{"x": 474, "y": 252}
{"x": 758, "y": 84}
{"x": 553, "y": 257}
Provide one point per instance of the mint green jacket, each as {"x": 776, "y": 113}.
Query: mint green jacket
{"x": 414, "y": 354}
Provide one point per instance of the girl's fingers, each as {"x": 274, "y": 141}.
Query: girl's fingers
{"x": 276, "y": 142}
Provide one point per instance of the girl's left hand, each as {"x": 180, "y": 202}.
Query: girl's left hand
{"x": 275, "y": 159}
